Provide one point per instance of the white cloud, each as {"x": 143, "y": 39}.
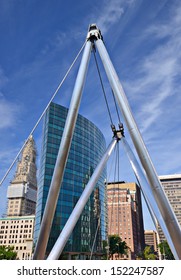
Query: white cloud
{"x": 159, "y": 72}
{"x": 170, "y": 27}
{"x": 8, "y": 113}
{"x": 111, "y": 13}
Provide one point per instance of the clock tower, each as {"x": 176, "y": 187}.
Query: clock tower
{"x": 23, "y": 188}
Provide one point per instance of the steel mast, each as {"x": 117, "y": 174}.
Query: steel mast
{"x": 159, "y": 196}
{"x": 79, "y": 207}
{"x": 147, "y": 193}
{"x": 63, "y": 152}
{"x": 170, "y": 225}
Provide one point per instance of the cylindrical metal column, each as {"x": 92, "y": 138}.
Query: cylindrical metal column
{"x": 158, "y": 192}
{"x": 147, "y": 193}
{"x": 62, "y": 156}
{"x": 70, "y": 224}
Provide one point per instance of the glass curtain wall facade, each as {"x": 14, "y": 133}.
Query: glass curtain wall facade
{"x": 88, "y": 146}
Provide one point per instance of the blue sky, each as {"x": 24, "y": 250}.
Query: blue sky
{"x": 40, "y": 39}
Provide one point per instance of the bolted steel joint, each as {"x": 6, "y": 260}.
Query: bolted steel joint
{"x": 93, "y": 33}
{"x": 118, "y": 134}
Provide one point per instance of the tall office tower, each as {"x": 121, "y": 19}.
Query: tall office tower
{"x": 172, "y": 188}
{"x": 22, "y": 191}
{"x": 88, "y": 146}
{"x": 125, "y": 215}
{"x": 151, "y": 240}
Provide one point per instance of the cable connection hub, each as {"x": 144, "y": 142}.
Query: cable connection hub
{"x": 94, "y": 33}
{"x": 118, "y": 134}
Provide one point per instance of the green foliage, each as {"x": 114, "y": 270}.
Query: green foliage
{"x": 116, "y": 245}
{"x": 165, "y": 251}
{"x": 105, "y": 249}
{"x": 7, "y": 253}
{"x": 146, "y": 254}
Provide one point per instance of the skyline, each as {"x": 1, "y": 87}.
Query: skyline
{"x": 40, "y": 41}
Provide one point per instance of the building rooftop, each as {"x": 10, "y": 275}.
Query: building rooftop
{"x": 170, "y": 177}
{"x": 18, "y": 218}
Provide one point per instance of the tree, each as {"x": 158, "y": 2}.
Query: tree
{"x": 116, "y": 245}
{"x": 7, "y": 253}
{"x": 148, "y": 254}
{"x": 105, "y": 248}
{"x": 165, "y": 250}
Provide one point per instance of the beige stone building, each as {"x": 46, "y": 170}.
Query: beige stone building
{"x": 172, "y": 187}
{"x": 17, "y": 228}
{"x": 22, "y": 191}
{"x": 151, "y": 240}
{"x": 18, "y": 232}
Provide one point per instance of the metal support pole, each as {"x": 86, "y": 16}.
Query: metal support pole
{"x": 158, "y": 192}
{"x": 147, "y": 193}
{"x": 70, "y": 224}
{"x": 62, "y": 156}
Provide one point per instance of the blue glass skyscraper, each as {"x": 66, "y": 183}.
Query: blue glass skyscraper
{"x": 88, "y": 146}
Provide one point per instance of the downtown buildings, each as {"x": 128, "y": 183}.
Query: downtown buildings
{"x": 17, "y": 228}
{"x": 172, "y": 187}
{"x": 151, "y": 240}
{"x": 88, "y": 146}
{"x": 125, "y": 215}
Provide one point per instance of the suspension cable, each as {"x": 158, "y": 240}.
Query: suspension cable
{"x": 98, "y": 70}
{"x": 116, "y": 106}
{"x": 107, "y": 105}
{"x": 40, "y": 118}
{"x": 99, "y": 219}
{"x": 116, "y": 170}
{"x": 117, "y": 162}
{"x": 118, "y": 179}
{"x": 95, "y": 237}
{"x": 113, "y": 196}
{"x": 106, "y": 185}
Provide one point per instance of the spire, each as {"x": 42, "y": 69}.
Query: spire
{"x": 26, "y": 168}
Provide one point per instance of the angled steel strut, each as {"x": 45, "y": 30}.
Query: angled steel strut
{"x": 164, "y": 215}
{"x": 147, "y": 192}
{"x": 79, "y": 207}
{"x": 63, "y": 152}
{"x": 167, "y": 214}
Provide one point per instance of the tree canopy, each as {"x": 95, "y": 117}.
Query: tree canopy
{"x": 116, "y": 245}
{"x": 149, "y": 254}
{"x": 165, "y": 250}
{"x": 7, "y": 253}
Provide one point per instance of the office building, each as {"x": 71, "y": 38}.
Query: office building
{"x": 88, "y": 146}
{"x": 22, "y": 191}
{"x": 18, "y": 232}
{"x": 172, "y": 187}
{"x": 151, "y": 240}
{"x": 125, "y": 215}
